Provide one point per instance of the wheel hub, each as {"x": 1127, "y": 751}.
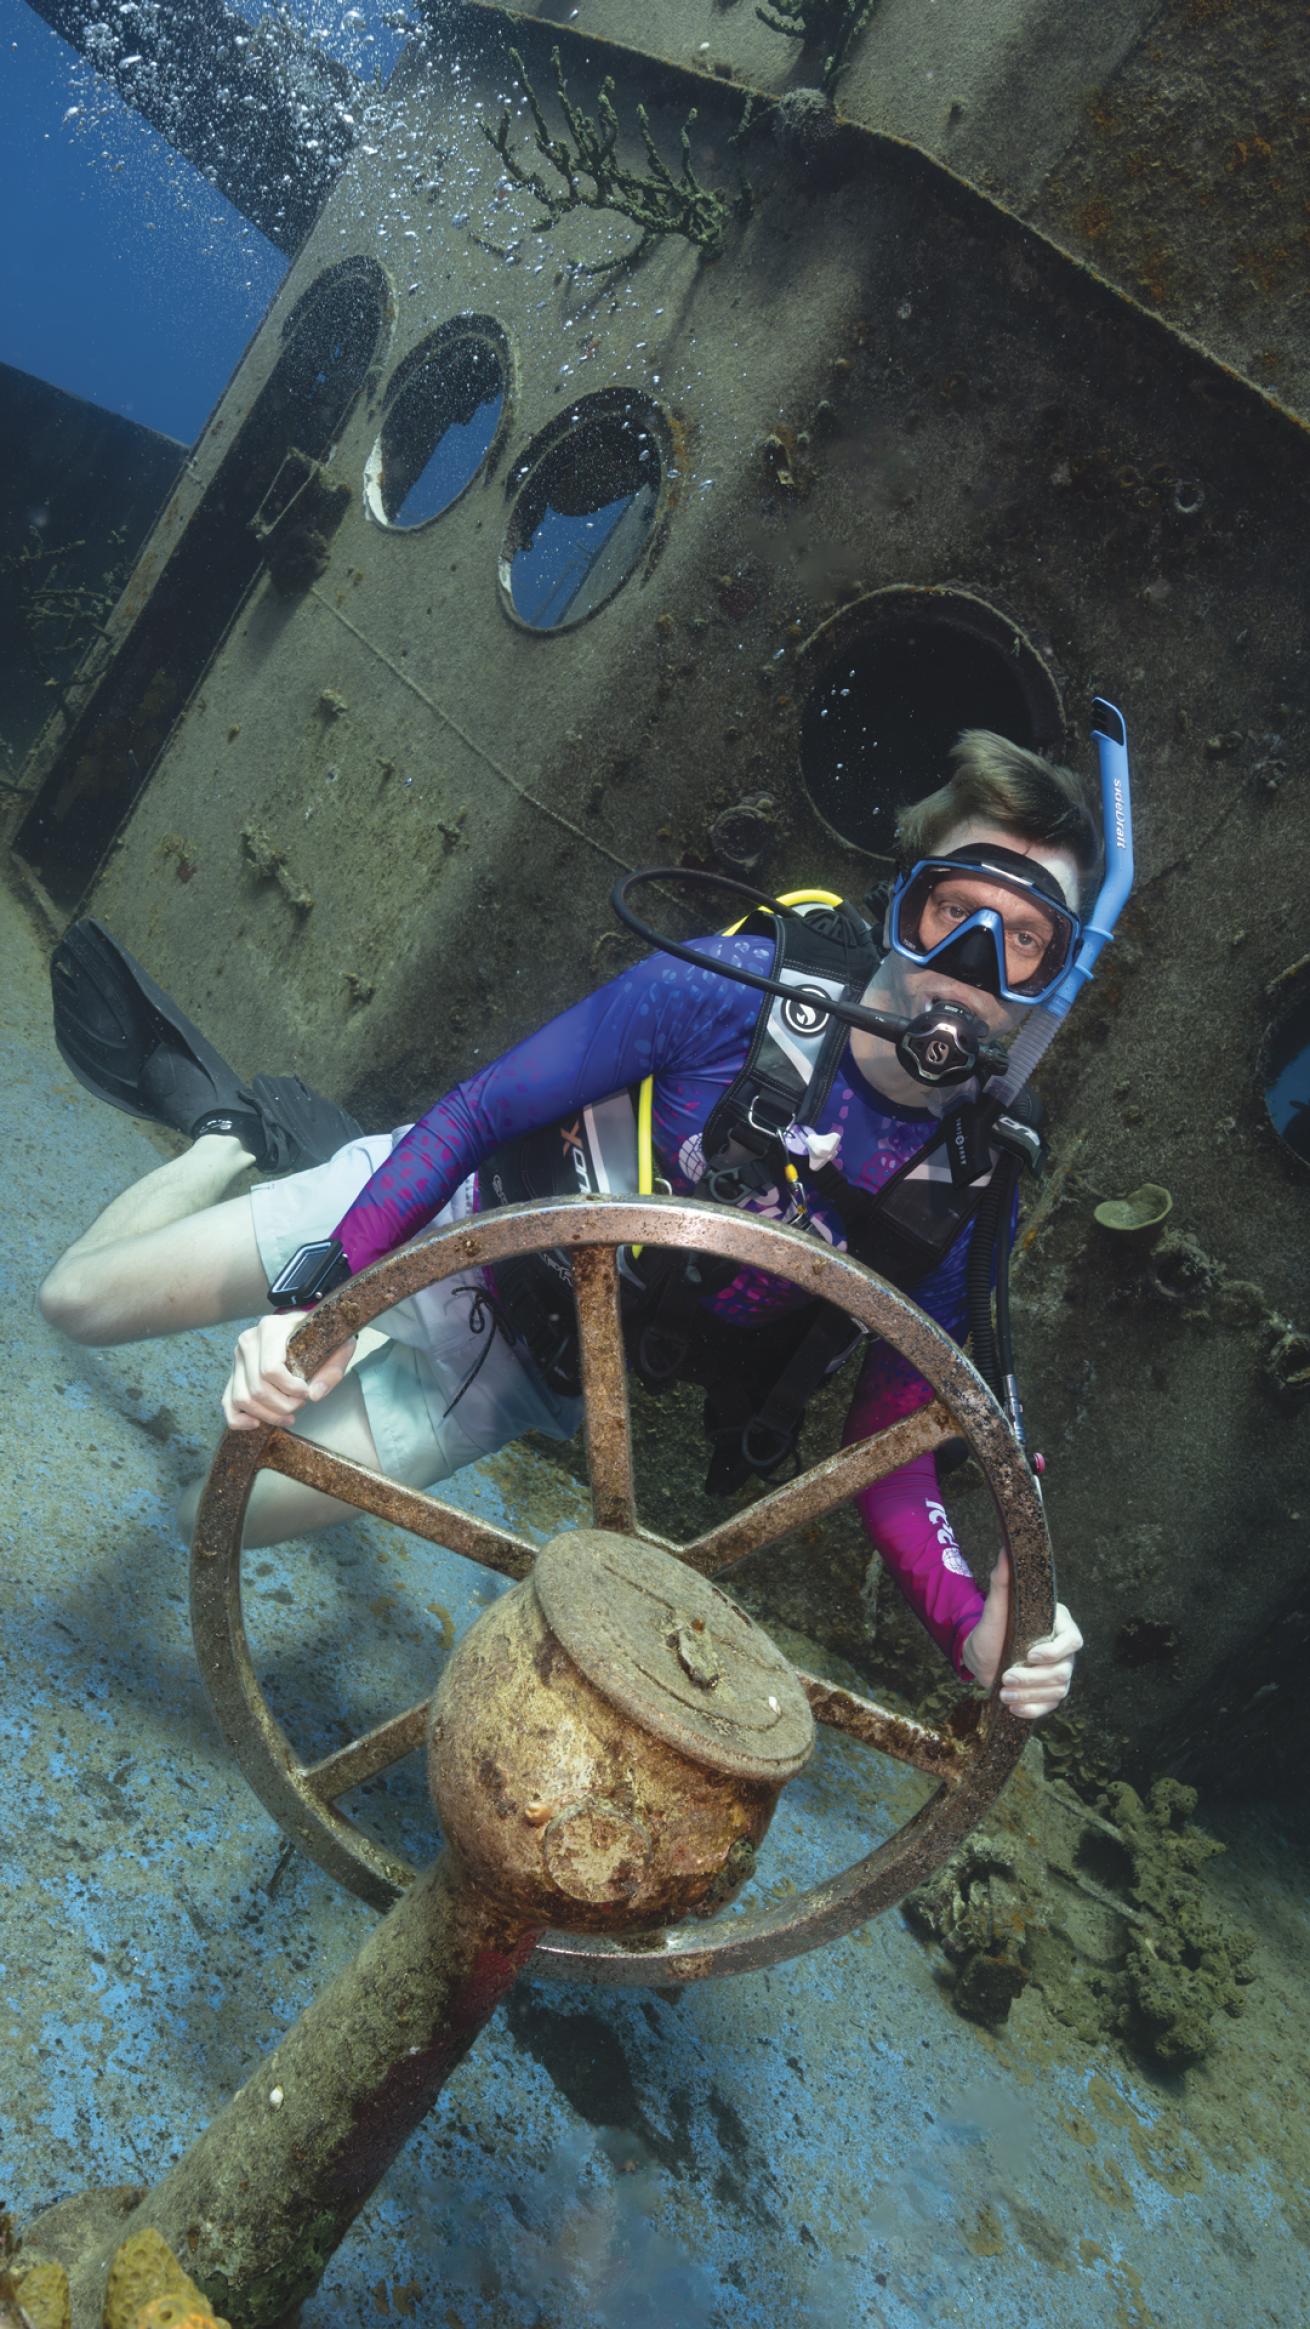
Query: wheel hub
{"x": 670, "y": 1650}
{"x": 608, "y": 1742}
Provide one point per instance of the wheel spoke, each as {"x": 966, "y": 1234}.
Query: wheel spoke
{"x": 607, "y": 1422}
{"x": 376, "y": 1751}
{"x": 936, "y": 1752}
{"x": 818, "y": 1490}
{"x": 424, "y": 1516}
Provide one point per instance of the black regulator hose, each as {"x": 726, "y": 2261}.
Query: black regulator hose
{"x": 946, "y": 1044}
{"x": 990, "y": 1340}
{"x": 854, "y": 1014}
{"x": 1004, "y": 1332}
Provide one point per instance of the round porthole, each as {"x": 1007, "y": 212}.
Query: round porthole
{"x": 585, "y": 501}
{"x": 896, "y": 676}
{"x": 445, "y": 410}
{"x": 1285, "y": 1061}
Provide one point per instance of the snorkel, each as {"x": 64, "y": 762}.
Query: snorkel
{"x": 1044, "y": 1020}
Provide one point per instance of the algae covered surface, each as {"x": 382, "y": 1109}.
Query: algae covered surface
{"x": 1104, "y": 1907}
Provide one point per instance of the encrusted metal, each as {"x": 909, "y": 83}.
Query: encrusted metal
{"x": 674, "y": 1654}
{"x": 972, "y": 1763}
{"x": 580, "y": 1773}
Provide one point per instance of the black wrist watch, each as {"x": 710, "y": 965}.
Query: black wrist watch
{"x": 312, "y": 1272}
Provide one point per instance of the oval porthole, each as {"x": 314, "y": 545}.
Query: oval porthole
{"x": 584, "y": 511}
{"x": 444, "y": 412}
{"x": 897, "y": 675}
{"x": 1285, "y": 1063}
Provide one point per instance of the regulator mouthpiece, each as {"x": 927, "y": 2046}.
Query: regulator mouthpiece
{"x": 946, "y": 1044}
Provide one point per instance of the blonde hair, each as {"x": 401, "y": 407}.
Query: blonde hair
{"x": 1000, "y": 783}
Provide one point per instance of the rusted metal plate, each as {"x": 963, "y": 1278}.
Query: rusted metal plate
{"x": 973, "y": 1762}
{"x": 674, "y": 1654}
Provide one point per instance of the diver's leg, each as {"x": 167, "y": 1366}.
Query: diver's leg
{"x": 281, "y": 1508}
{"x": 382, "y": 1416}
{"x": 414, "y": 1415}
{"x": 166, "y": 1255}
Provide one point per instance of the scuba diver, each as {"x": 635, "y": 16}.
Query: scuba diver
{"x": 877, "y": 1099}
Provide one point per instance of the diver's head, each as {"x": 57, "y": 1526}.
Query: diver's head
{"x": 1016, "y": 797}
{"x": 993, "y": 869}
{"x": 988, "y": 914}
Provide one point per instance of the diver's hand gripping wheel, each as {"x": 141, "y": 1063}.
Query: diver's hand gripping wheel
{"x": 971, "y": 1757}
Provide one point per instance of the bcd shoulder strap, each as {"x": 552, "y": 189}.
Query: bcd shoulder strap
{"x": 822, "y": 954}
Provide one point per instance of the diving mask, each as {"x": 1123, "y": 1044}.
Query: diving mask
{"x": 988, "y": 917}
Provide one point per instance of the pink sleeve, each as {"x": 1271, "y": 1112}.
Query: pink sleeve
{"x": 905, "y": 1516}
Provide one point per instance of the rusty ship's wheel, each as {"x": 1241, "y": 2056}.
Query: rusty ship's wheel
{"x": 971, "y": 1757}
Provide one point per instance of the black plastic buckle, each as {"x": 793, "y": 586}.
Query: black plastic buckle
{"x": 1022, "y": 1140}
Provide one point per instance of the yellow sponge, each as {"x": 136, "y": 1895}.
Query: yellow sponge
{"x": 149, "y": 2290}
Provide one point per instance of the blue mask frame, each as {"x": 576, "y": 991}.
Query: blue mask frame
{"x": 975, "y": 952}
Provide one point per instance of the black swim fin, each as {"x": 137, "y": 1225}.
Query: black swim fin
{"x": 127, "y": 1042}
{"x": 301, "y": 1128}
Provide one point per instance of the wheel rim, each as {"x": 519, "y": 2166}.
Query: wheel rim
{"x": 971, "y": 1757}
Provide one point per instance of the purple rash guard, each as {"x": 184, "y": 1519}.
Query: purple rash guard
{"x": 690, "y": 1029}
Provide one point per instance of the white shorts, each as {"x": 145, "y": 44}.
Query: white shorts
{"x": 424, "y": 1425}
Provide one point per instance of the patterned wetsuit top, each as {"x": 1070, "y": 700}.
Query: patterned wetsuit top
{"x": 691, "y": 1029}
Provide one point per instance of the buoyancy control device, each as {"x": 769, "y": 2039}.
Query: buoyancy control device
{"x": 824, "y": 952}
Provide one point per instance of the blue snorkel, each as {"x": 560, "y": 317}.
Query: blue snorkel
{"x": 1043, "y": 1022}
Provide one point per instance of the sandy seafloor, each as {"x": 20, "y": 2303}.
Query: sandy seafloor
{"x": 826, "y": 2144}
